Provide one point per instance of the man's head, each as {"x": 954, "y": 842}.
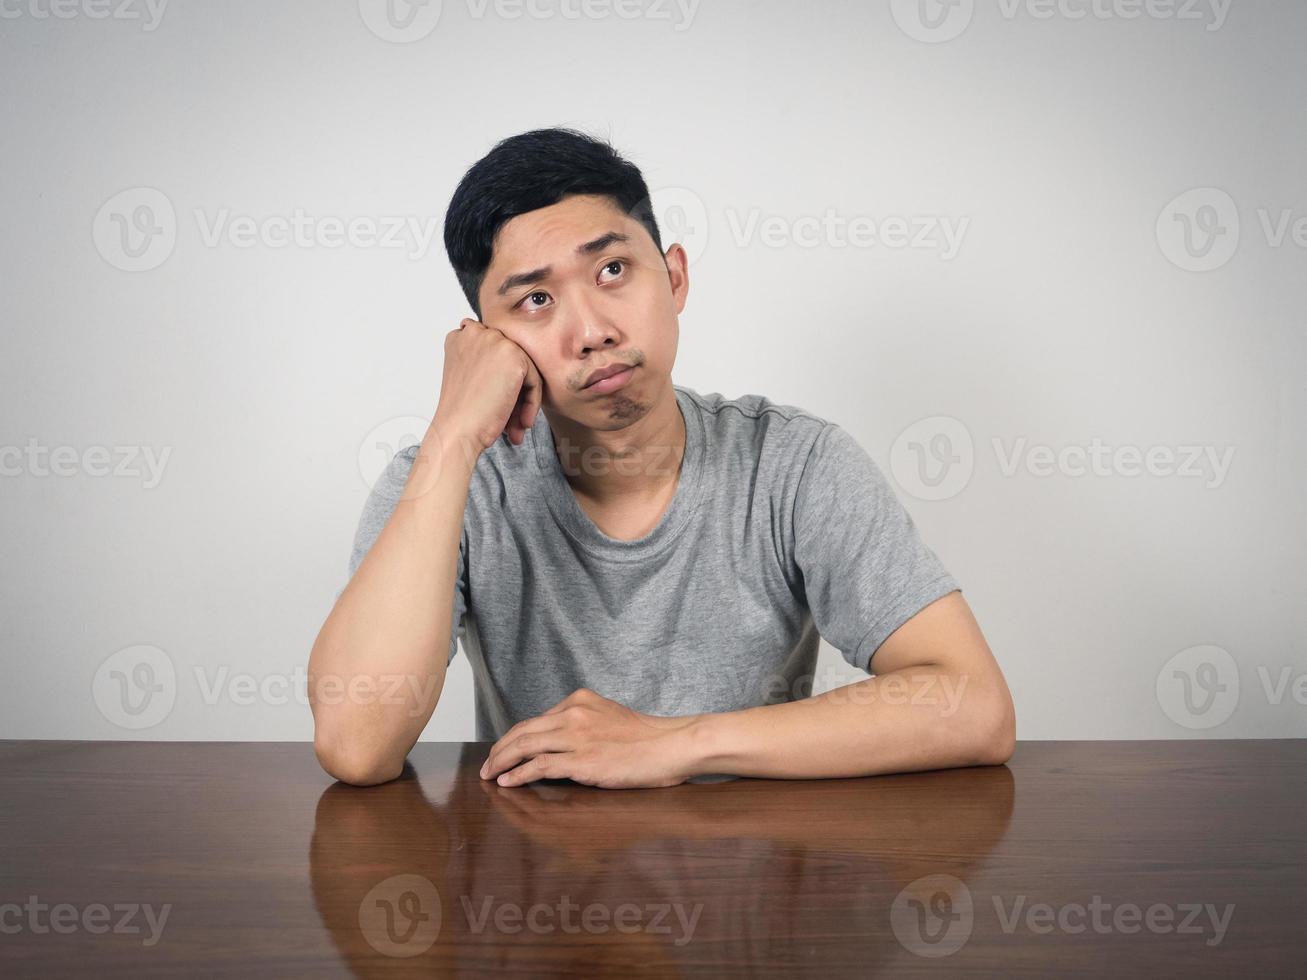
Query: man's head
{"x": 554, "y": 242}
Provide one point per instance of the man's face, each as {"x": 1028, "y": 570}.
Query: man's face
{"x": 580, "y": 285}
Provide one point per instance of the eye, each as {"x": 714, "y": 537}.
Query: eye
{"x": 529, "y": 301}
{"x": 526, "y": 303}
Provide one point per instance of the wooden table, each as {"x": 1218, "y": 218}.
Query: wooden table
{"x": 244, "y": 859}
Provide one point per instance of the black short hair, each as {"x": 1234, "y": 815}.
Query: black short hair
{"x": 527, "y": 172}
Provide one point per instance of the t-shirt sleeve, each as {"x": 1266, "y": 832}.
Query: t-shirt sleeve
{"x": 377, "y": 509}
{"x": 865, "y": 569}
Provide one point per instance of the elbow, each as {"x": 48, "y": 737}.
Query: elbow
{"x": 352, "y": 765}
{"x": 998, "y": 740}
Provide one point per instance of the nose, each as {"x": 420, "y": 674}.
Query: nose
{"x": 592, "y": 328}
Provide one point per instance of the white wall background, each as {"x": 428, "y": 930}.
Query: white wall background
{"x": 1072, "y": 312}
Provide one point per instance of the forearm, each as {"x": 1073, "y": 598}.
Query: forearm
{"x": 917, "y": 718}
{"x": 378, "y": 665}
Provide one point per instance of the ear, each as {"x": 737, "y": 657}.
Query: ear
{"x": 678, "y": 273}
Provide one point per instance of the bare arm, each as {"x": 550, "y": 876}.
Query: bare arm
{"x": 378, "y": 665}
{"x": 938, "y": 700}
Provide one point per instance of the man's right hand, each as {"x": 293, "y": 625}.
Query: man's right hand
{"x": 491, "y": 387}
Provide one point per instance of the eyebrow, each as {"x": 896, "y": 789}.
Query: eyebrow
{"x": 588, "y": 248}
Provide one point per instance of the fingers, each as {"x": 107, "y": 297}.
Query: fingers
{"x": 527, "y": 407}
{"x": 509, "y": 763}
{"x": 515, "y": 431}
{"x": 537, "y": 395}
{"x": 547, "y": 766}
{"x": 531, "y": 394}
{"x": 527, "y": 415}
{"x": 532, "y": 741}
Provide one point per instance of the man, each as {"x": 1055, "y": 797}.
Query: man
{"x": 639, "y": 572}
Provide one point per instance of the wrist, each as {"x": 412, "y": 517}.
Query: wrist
{"x": 700, "y": 746}
{"x": 450, "y": 446}
{"x": 441, "y": 473}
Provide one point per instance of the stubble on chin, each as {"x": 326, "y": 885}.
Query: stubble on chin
{"x": 626, "y": 409}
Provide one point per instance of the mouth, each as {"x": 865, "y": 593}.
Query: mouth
{"x": 610, "y": 378}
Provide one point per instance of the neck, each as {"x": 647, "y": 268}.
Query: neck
{"x": 638, "y": 460}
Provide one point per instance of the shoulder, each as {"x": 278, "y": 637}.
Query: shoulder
{"x": 772, "y": 430}
{"x": 390, "y": 485}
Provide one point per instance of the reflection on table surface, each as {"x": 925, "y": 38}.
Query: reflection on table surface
{"x": 455, "y": 871}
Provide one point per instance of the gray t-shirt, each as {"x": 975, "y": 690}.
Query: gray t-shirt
{"x": 781, "y": 529}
